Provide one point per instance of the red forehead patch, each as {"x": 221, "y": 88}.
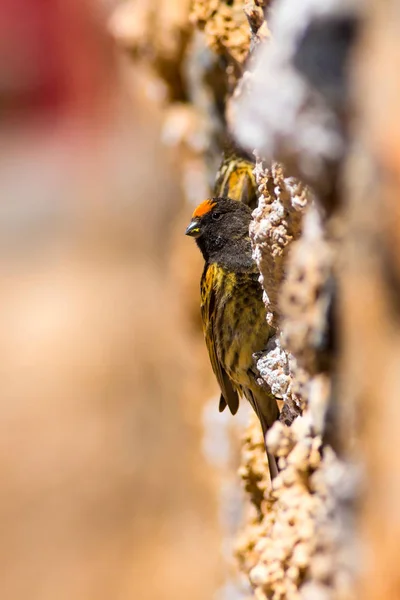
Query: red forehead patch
{"x": 204, "y": 208}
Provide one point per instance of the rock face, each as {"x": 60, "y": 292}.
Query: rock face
{"x": 312, "y": 90}
{"x": 294, "y": 545}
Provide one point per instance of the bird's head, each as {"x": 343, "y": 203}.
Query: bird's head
{"x": 218, "y": 223}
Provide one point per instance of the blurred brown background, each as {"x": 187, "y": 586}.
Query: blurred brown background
{"x": 105, "y": 492}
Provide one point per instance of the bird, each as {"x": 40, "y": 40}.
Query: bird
{"x": 235, "y": 178}
{"x": 232, "y": 309}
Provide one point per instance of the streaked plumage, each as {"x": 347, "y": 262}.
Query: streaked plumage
{"x": 233, "y": 313}
{"x": 235, "y": 178}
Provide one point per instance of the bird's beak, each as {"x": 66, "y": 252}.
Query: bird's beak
{"x": 193, "y": 229}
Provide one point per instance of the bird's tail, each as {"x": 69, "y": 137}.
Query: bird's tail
{"x": 266, "y": 409}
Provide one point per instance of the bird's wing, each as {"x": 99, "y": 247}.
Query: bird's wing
{"x": 229, "y": 395}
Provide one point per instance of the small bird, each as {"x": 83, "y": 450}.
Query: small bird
{"x": 232, "y": 309}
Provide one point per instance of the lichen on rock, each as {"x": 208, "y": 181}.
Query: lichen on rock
{"x": 276, "y": 222}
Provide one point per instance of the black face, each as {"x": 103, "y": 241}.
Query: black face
{"x": 224, "y": 223}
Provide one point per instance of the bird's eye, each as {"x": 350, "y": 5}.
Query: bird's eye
{"x": 216, "y": 216}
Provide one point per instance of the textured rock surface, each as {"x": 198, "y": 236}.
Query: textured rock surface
{"x": 277, "y": 222}
{"x": 291, "y": 545}
{"x": 295, "y": 545}
{"x": 289, "y": 548}
{"x": 226, "y": 29}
